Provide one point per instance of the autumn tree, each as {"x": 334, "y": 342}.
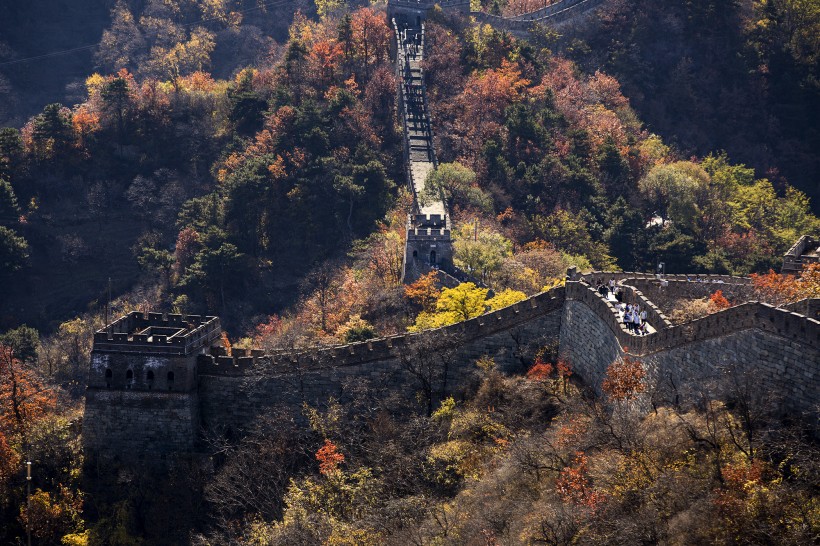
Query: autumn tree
{"x": 329, "y": 458}
{"x": 423, "y": 292}
{"x": 780, "y": 289}
{"x": 23, "y": 397}
{"x": 51, "y": 516}
{"x": 574, "y": 485}
{"x": 624, "y": 379}
{"x": 370, "y": 37}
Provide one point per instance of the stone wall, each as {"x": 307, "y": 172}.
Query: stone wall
{"x": 780, "y": 348}
{"x": 128, "y": 425}
{"x": 233, "y": 393}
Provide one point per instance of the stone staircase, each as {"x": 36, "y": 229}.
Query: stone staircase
{"x": 416, "y": 118}
{"x": 428, "y": 245}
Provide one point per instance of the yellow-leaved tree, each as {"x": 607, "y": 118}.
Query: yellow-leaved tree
{"x": 463, "y": 302}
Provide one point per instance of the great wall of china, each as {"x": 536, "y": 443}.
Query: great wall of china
{"x": 157, "y": 386}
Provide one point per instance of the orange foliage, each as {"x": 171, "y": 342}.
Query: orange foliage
{"x": 23, "y": 398}
{"x": 329, "y": 458}
{"x": 486, "y": 95}
{"x": 573, "y": 484}
{"x": 571, "y": 433}
{"x": 325, "y": 57}
{"x": 186, "y": 248}
{"x": 197, "y": 81}
{"x": 740, "y": 481}
{"x": 589, "y": 102}
{"x": 9, "y": 461}
{"x": 736, "y": 476}
{"x": 779, "y": 289}
{"x": 424, "y": 291}
{"x": 739, "y": 245}
{"x": 371, "y": 36}
{"x": 264, "y": 330}
{"x": 564, "y": 368}
{"x": 520, "y": 7}
{"x": 718, "y": 301}
{"x": 540, "y": 371}
{"x": 624, "y": 379}
{"x": 85, "y": 121}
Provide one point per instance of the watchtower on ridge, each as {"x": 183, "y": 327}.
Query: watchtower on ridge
{"x": 142, "y": 386}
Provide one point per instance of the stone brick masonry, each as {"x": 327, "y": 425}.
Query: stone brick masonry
{"x": 780, "y": 347}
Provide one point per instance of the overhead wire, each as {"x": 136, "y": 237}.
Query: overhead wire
{"x": 271, "y": 4}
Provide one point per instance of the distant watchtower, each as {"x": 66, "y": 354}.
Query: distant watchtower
{"x": 142, "y": 397}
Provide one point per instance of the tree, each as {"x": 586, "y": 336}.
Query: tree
{"x": 322, "y": 283}
{"x": 24, "y": 399}
{"x": 370, "y": 38}
{"x": 53, "y": 133}
{"x": 9, "y": 209}
{"x": 182, "y": 58}
{"x": 479, "y": 250}
{"x": 355, "y": 330}
{"x": 247, "y": 105}
{"x": 455, "y": 183}
{"x": 427, "y": 359}
{"x": 570, "y": 232}
{"x": 780, "y": 289}
{"x": 329, "y": 458}
{"x": 24, "y": 341}
{"x": 117, "y": 100}
{"x": 463, "y": 302}
{"x": 505, "y": 298}
{"x": 11, "y": 151}
{"x": 122, "y": 42}
{"x": 574, "y": 486}
{"x": 677, "y": 191}
{"x": 186, "y": 248}
{"x": 13, "y": 251}
{"x": 424, "y": 292}
{"x": 217, "y": 270}
{"x": 52, "y": 516}
{"x": 624, "y": 379}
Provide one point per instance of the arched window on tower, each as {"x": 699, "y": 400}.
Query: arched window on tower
{"x": 129, "y": 379}
{"x": 108, "y": 376}
{"x": 170, "y": 380}
{"x": 150, "y": 378}
{"x": 432, "y": 257}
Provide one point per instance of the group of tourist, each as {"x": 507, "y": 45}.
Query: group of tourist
{"x": 633, "y": 316}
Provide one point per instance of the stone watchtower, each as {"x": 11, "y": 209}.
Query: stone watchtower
{"x": 142, "y": 399}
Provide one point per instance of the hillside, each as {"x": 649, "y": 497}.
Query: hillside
{"x": 738, "y": 76}
{"x": 218, "y": 158}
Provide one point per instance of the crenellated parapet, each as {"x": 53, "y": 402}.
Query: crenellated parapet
{"x": 390, "y": 347}
{"x": 806, "y": 250}
{"x": 171, "y": 334}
